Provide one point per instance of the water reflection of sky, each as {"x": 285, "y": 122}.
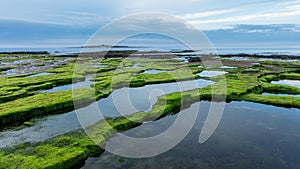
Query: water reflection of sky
{"x": 250, "y": 135}
{"x": 121, "y": 101}
{"x": 153, "y": 71}
{"x": 208, "y": 73}
{"x": 271, "y": 94}
{"x": 295, "y": 83}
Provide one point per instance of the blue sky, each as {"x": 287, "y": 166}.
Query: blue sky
{"x": 71, "y": 22}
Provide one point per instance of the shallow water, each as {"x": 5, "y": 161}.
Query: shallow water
{"x": 134, "y": 66}
{"x": 295, "y": 83}
{"x": 121, "y": 101}
{"x": 153, "y": 71}
{"x": 277, "y": 60}
{"x": 25, "y": 61}
{"x": 208, "y": 73}
{"x": 250, "y": 135}
{"x": 228, "y": 67}
{"x": 142, "y": 98}
{"x": 43, "y": 129}
{"x": 237, "y": 58}
{"x": 30, "y": 66}
{"x": 97, "y": 65}
{"x": 272, "y": 94}
{"x": 11, "y": 72}
{"x": 84, "y": 84}
{"x": 40, "y": 74}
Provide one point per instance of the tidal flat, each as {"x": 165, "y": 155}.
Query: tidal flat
{"x": 61, "y": 84}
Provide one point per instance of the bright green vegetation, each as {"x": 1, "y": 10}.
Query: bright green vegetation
{"x": 20, "y": 110}
{"x": 266, "y": 86}
{"x": 129, "y": 79}
{"x": 20, "y": 90}
{"x": 277, "y": 88}
{"x": 284, "y": 101}
{"x": 62, "y": 152}
{"x": 279, "y": 64}
{"x": 72, "y": 149}
{"x": 134, "y": 77}
{"x": 14, "y": 87}
{"x": 20, "y": 102}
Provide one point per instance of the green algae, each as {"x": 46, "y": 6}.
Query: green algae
{"x": 74, "y": 148}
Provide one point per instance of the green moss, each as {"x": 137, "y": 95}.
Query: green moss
{"x": 19, "y": 86}
{"x": 283, "y": 101}
{"x": 42, "y": 104}
{"x": 278, "y": 88}
{"x": 71, "y": 149}
{"x": 62, "y": 152}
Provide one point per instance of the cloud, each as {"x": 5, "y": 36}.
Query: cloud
{"x": 24, "y": 20}
{"x": 206, "y": 14}
{"x": 277, "y": 35}
{"x": 16, "y": 32}
{"x": 80, "y": 13}
{"x": 273, "y": 28}
{"x": 77, "y": 19}
{"x": 259, "y": 30}
{"x": 270, "y": 12}
{"x": 249, "y": 17}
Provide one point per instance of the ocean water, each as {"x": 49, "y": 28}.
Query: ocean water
{"x": 219, "y": 50}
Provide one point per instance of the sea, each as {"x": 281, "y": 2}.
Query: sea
{"x": 295, "y": 51}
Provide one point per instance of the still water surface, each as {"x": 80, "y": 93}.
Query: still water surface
{"x": 120, "y": 102}
{"x": 250, "y": 136}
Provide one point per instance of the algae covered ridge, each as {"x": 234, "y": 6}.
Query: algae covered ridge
{"x": 22, "y": 99}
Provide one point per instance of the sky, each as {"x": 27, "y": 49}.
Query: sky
{"x": 72, "y": 22}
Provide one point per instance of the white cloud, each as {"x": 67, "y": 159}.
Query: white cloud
{"x": 259, "y": 30}
{"x": 79, "y": 13}
{"x": 265, "y": 16}
{"x": 267, "y": 12}
{"x": 206, "y": 14}
{"x": 31, "y": 21}
{"x": 215, "y": 14}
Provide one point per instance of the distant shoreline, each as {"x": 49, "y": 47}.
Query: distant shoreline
{"x": 183, "y": 53}
{"x": 27, "y": 52}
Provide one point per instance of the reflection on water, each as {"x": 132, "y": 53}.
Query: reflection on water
{"x": 295, "y": 83}
{"x": 11, "y": 72}
{"x": 40, "y": 74}
{"x": 84, "y": 84}
{"x": 228, "y": 67}
{"x": 249, "y": 136}
{"x": 43, "y": 129}
{"x": 25, "y": 61}
{"x": 121, "y": 101}
{"x": 208, "y": 73}
{"x": 134, "y": 66}
{"x": 153, "y": 71}
{"x": 237, "y": 58}
{"x": 129, "y": 100}
{"x": 271, "y": 94}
